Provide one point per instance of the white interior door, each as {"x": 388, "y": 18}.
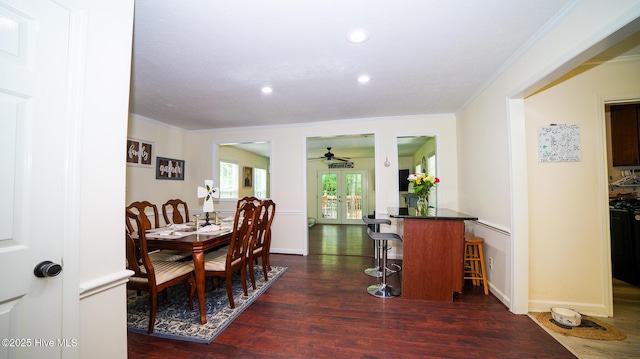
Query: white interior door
{"x": 342, "y": 195}
{"x": 33, "y": 73}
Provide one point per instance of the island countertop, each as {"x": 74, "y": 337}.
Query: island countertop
{"x": 433, "y": 252}
{"x": 432, "y": 213}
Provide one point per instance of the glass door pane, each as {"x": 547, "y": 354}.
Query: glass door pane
{"x": 353, "y": 196}
{"x": 342, "y": 196}
{"x": 329, "y": 196}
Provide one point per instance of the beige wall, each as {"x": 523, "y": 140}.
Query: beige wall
{"x": 289, "y": 177}
{"x": 569, "y": 224}
{"x": 494, "y": 155}
{"x": 141, "y": 181}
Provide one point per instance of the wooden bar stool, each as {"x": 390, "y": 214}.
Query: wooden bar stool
{"x": 474, "y": 268}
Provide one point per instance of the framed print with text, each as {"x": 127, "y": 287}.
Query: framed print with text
{"x": 139, "y": 153}
{"x": 169, "y": 169}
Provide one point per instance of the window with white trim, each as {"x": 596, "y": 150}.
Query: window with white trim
{"x": 260, "y": 182}
{"x": 229, "y": 179}
{"x": 431, "y": 165}
{"x": 431, "y": 170}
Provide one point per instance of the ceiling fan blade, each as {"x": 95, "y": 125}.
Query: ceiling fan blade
{"x": 329, "y": 156}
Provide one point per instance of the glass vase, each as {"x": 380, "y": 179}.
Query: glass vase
{"x": 421, "y": 206}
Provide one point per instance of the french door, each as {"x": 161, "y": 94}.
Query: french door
{"x": 342, "y": 196}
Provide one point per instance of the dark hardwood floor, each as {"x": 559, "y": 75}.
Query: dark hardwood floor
{"x": 320, "y": 309}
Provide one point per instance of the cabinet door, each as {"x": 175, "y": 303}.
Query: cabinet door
{"x": 625, "y": 135}
{"x": 622, "y": 251}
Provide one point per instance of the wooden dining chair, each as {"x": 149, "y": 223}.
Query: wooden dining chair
{"x": 142, "y": 209}
{"x": 154, "y": 276}
{"x": 244, "y": 200}
{"x": 178, "y": 207}
{"x": 268, "y": 245}
{"x": 260, "y": 240}
{"x": 247, "y": 199}
{"x": 222, "y": 264}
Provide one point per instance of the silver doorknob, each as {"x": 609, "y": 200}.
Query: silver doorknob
{"x": 47, "y": 269}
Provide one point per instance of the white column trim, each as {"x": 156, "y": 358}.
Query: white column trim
{"x": 519, "y": 264}
{"x": 104, "y": 283}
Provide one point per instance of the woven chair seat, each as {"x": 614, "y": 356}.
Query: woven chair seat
{"x": 166, "y": 271}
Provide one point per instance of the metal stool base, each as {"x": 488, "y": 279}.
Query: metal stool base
{"x": 383, "y": 291}
{"x": 377, "y": 272}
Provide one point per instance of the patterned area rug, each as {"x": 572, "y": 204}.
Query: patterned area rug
{"x": 590, "y": 328}
{"x": 175, "y": 320}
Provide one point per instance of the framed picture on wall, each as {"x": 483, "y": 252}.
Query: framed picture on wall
{"x": 248, "y": 176}
{"x": 139, "y": 153}
{"x": 169, "y": 169}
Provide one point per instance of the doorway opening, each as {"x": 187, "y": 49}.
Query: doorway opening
{"x": 340, "y": 190}
{"x": 624, "y": 203}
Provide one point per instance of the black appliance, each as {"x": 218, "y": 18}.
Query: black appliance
{"x": 624, "y": 219}
{"x": 403, "y": 182}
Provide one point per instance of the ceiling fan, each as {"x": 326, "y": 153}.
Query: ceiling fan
{"x": 330, "y": 157}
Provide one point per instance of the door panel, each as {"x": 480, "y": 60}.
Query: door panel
{"x": 353, "y": 195}
{"x": 330, "y": 212}
{"x": 342, "y": 195}
{"x": 33, "y": 76}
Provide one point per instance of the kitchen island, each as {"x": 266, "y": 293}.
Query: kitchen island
{"x": 433, "y": 258}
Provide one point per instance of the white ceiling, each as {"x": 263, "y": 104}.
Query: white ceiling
{"x": 201, "y": 64}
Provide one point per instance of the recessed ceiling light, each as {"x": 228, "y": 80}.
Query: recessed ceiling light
{"x": 358, "y": 36}
{"x": 267, "y": 89}
{"x": 363, "y": 79}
